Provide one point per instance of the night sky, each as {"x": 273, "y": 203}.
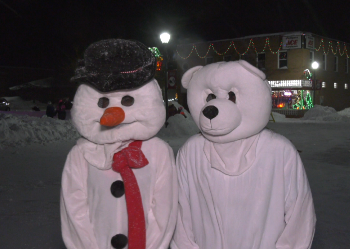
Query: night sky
{"x": 52, "y": 34}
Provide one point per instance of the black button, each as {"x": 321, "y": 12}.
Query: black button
{"x": 117, "y": 189}
{"x": 119, "y": 241}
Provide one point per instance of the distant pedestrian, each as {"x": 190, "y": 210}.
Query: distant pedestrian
{"x": 61, "y": 110}
{"x": 50, "y": 110}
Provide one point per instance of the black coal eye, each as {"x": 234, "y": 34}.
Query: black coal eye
{"x": 103, "y": 102}
{"x": 210, "y": 97}
{"x": 232, "y": 97}
{"x": 127, "y": 100}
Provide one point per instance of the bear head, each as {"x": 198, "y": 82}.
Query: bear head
{"x": 228, "y": 100}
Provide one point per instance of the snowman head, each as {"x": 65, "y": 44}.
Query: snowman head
{"x": 228, "y": 100}
{"x": 118, "y": 98}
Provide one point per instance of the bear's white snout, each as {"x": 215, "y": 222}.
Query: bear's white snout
{"x": 219, "y": 117}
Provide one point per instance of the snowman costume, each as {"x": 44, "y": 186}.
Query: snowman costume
{"x": 119, "y": 186}
{"x": 240, "y": 186}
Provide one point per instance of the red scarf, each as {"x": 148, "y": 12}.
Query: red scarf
{"x": 123, "y": 161}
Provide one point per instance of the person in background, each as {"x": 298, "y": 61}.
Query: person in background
{"x": 50, "y": 110}
{"x": 61, "y": 110}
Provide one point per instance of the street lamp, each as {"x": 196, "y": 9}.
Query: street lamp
{"x": 314, "y": 66}
{"x": 165, "y": 37}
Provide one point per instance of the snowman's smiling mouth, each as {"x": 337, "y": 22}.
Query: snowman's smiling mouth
{"x": 107, "y": 128}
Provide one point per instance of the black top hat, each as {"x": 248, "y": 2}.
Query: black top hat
{"x": 116, "y": 64}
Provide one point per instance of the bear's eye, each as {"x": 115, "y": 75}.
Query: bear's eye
{"x": 210, "y": 97}
{"x": 232, "y": 97}
{"x": 103, "y": 102}
{"x": 127, "y": 100}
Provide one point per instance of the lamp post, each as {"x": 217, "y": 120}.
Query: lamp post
{"x": 314, "y": 66}
{"x": 165, "y": 37}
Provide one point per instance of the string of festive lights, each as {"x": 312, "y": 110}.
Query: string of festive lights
{"x": 267, "y": 44}
{"x": 330, "y": 47}
{"x": 155, "y": 51}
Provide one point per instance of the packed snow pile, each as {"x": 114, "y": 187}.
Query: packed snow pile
{"x": 18, "y": 104}
{"x": 326, "y": 113}
{"x": 345, "y": 112}
{"x": 18, "y": 131}
{"x": 278, "y": 117}
{"x": 179, "y": 125}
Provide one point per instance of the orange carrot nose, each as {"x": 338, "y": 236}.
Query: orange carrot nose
{"x": 112, "y": 116}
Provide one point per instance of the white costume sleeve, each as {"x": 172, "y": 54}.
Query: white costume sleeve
{"x": 162, "y": 214}
{"x": 300, "y": 215}
{"x": 77, "y": 231}
{"x": 183, "y": 237}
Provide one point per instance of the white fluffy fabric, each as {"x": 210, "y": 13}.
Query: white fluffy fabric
{"x": 240, "y": 186}
{"x": 247, "y": 117}
{"x": 142, "y": 120}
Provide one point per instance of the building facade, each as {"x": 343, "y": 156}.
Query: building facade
{"x": 286, "y": 59}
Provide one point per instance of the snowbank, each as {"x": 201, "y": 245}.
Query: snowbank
{"x": 179, "y": 126}
{"x": 18, "y": 104}
{"x": 345, "y": 112}
{"x": 278, "y": 117}
{"x": 326, "y": 113}
{"x": 21, "y": 130}
{"x": 18, "y": 131}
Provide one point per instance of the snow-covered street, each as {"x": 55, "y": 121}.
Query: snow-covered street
{"x": 33, "y": 152}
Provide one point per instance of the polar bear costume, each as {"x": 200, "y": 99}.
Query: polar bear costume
{"x": 119, "y": 186}
{"x": 240, "y": 186}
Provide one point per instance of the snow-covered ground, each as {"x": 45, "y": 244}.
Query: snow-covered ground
{"x": 33, "y": 152}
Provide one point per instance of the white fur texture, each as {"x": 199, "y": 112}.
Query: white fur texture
{"x": 142, "y": 120}
{"x": 247, "y": 117}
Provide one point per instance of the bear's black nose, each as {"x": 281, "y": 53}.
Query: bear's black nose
{"x": 210, "y": 111}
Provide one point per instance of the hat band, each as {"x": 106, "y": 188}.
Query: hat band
{"x": 134, "y": 71}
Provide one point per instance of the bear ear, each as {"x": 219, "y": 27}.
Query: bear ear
{"x": 186, "y": 78}
{"x": 252, "y": 69}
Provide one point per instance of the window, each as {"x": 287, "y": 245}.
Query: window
{"x": 335, "y": 85}
{"x": 260, "y": 61}
{"x": 282, "y": 59}
{"x": 324, "y": 62}
{"x": 346, "y": 86}
{"x": 209, "y": 60}
{"x": 312, "y": 57}
{"x": 323, "y": 84}
{"x": 346, "y": 65}
{"x": 227, "y": 57}
{"x": 335, "y": 63}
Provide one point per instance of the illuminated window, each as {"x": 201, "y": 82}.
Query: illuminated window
{"x": 335, "y": 63}
{"x": 209, "y": 60}
{"x": 282, "y": 60}
{"x": 335, "y": 85}
{"x": 346, "y": 86}
{"x": 260, "y": 61}
{"x": 324, "y": 62}
{"x": 323, "y": 84}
